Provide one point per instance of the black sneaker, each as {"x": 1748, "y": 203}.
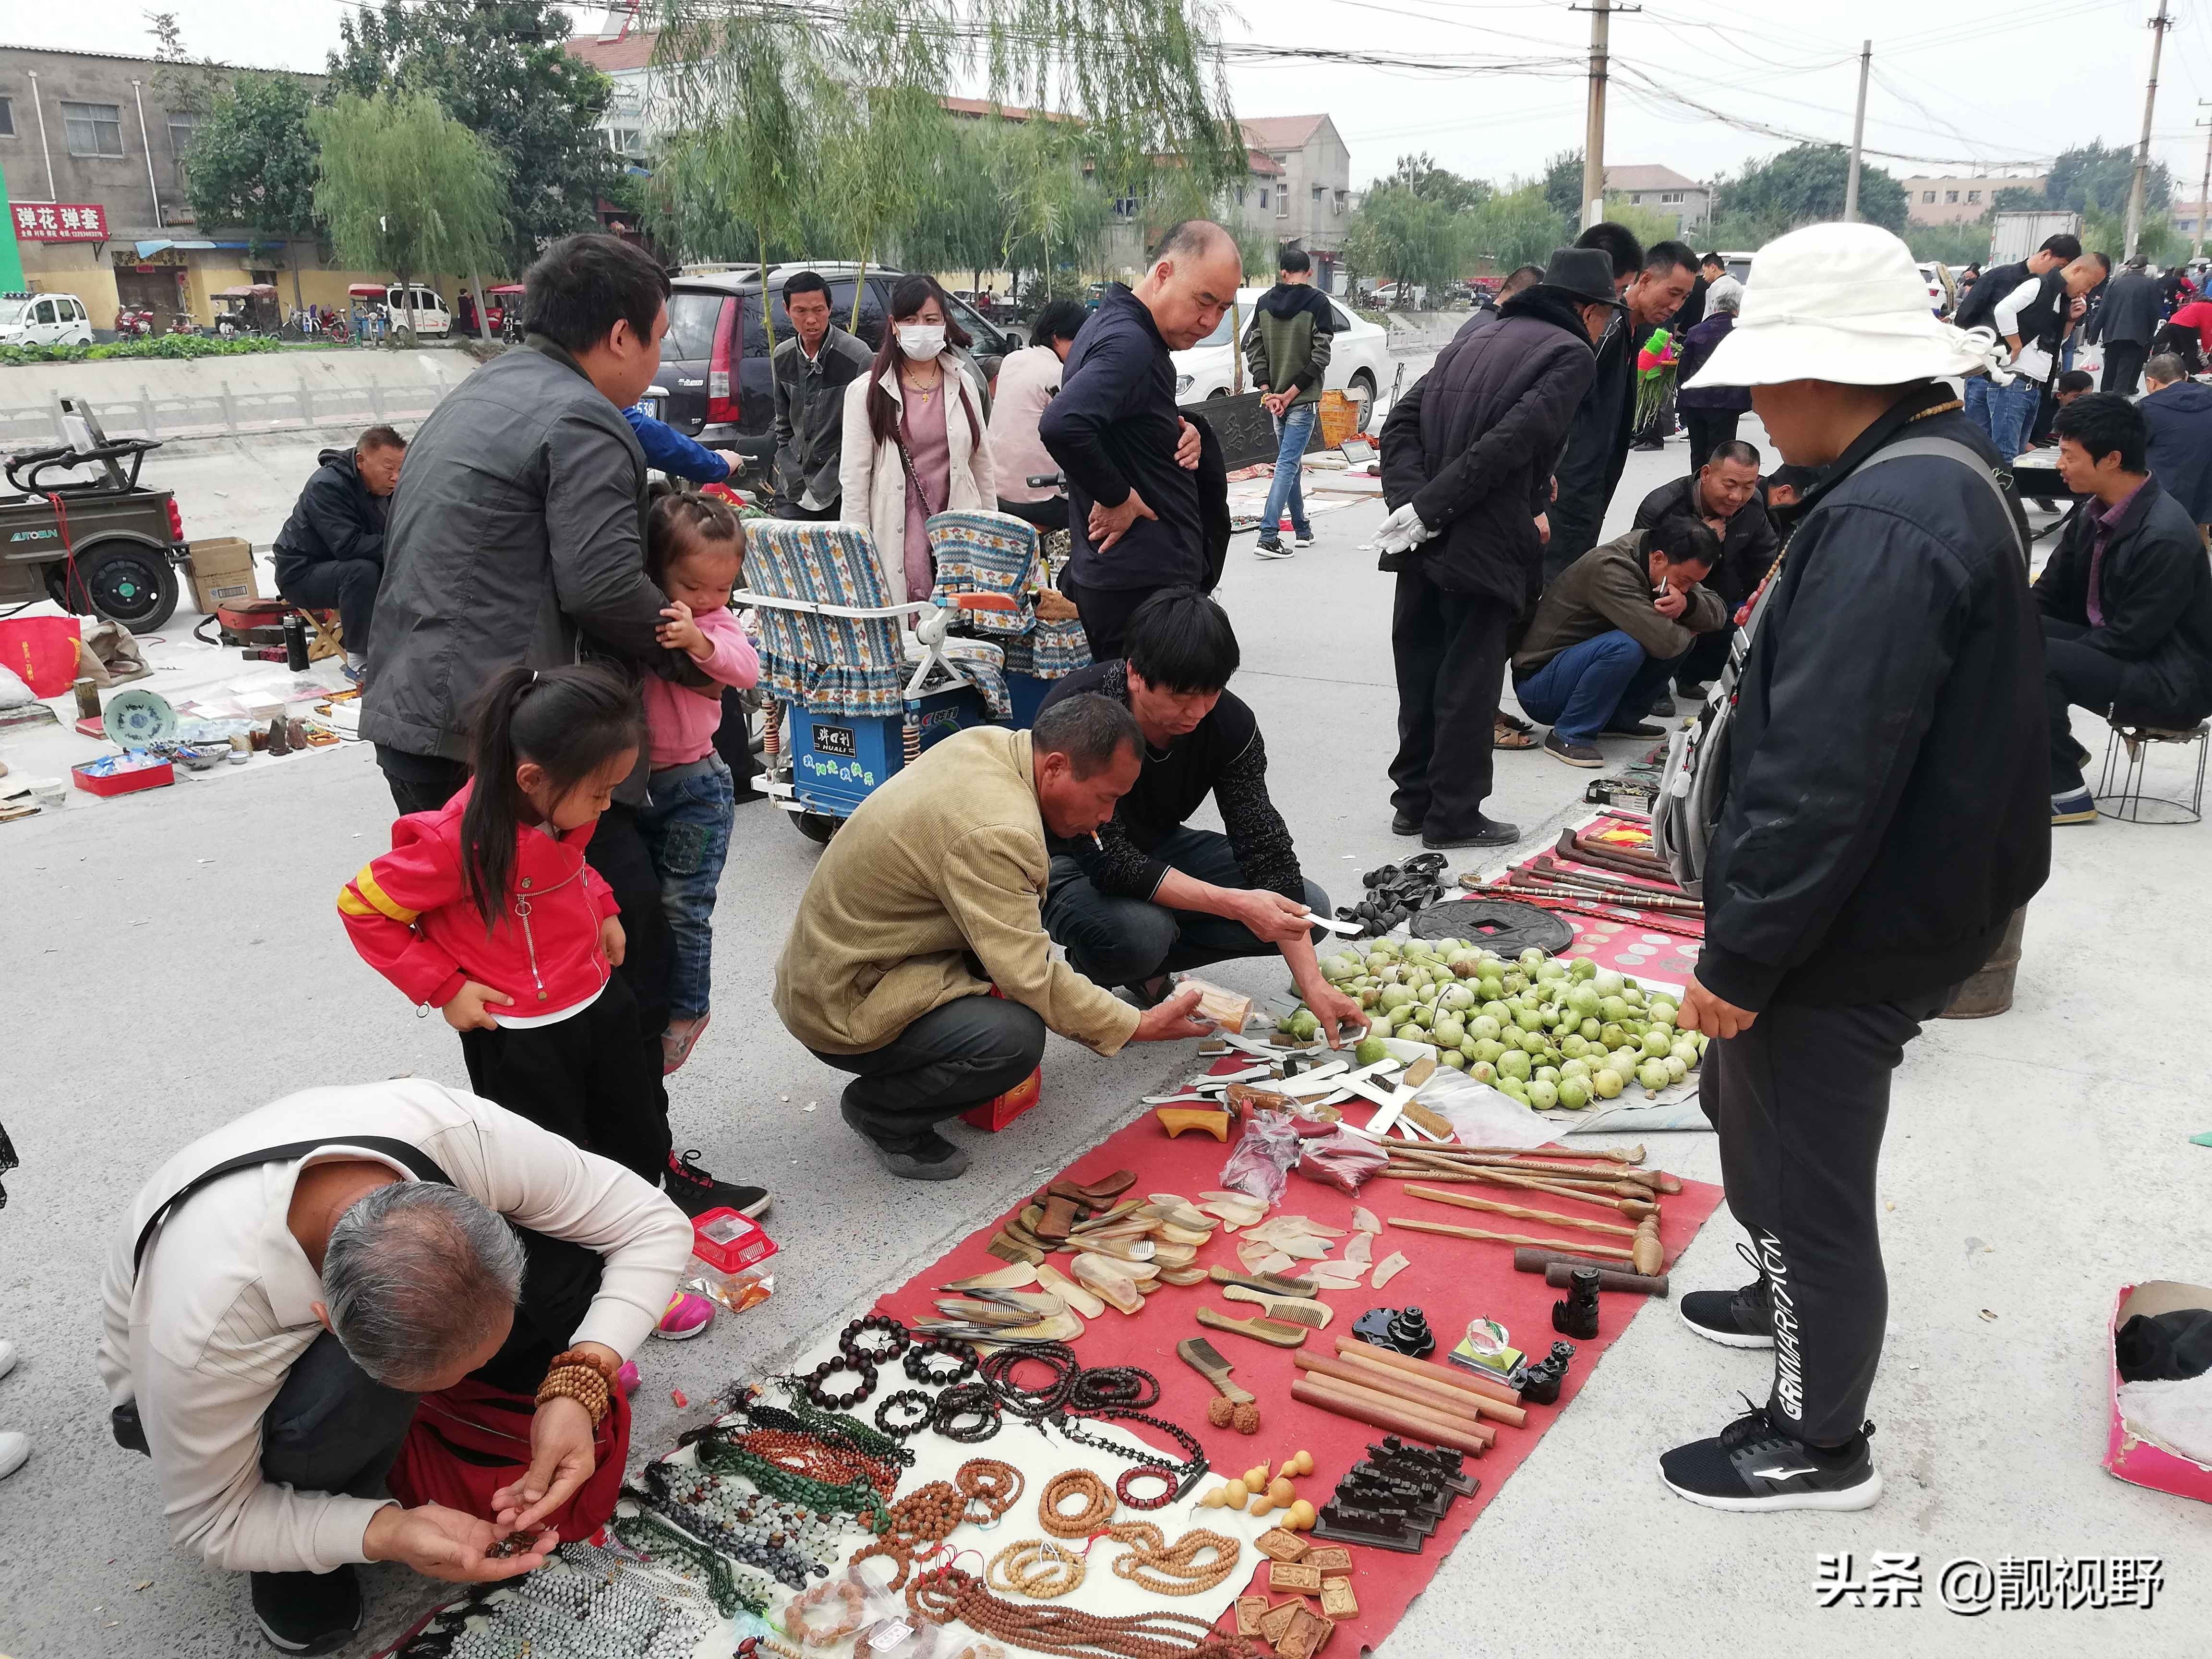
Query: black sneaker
{"x": 695, "y": 1192}
{"x": 1271, "y": 550}
{"x": 1662, "y": 707}
{"x": 1633, "y": 729}
{"x": 1735, "y": 1319}
{"x": 1753, "y": 1465}
{"x": 1403, "y": 823}
{"x": 307, "y": 1611}
{"x": 1487, "y": 832}
{"x": 1573, "y": 753}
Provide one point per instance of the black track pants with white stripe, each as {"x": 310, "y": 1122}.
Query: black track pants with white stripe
{"x": 1801, "y": 1100}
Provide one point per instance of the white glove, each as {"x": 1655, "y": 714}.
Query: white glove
{"x": 1402, "y": 530}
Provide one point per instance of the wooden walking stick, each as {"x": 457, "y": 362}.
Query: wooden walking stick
{"x": 1450, "y": 1231}
{"x": 1465, "y": 1201}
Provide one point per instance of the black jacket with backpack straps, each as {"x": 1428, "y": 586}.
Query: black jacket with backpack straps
{"x": 1888, "y": 789}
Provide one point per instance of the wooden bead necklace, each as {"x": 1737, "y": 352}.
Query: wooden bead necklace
{"x": 852, "y": 1613}
{"x": 964, "y": 1401}
{"x": 990, "y": 1488}
{"x": 1035, "y": 1567}
{"x": 946, "y": 1593}
{"x": 1175, "y": 1569}
{"x": 1097, "y": 1508}
{"x": 877, "y": 1338}
{"x": 924, "y": 1516}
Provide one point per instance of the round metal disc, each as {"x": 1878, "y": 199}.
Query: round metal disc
{"x": 1505, "y": 926}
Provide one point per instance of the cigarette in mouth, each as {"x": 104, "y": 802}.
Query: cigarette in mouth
{"x": 1096, "y": 843}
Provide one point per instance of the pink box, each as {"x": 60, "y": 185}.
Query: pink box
{"x": 728, "y": 1242}
{"x": 2125, "y": 1456}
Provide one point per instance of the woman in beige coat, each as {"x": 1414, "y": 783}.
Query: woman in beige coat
{"x": 915, "y": 440}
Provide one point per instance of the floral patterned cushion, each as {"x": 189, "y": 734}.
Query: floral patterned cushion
{"x": 827, "y": 664}
{"x": 979, "y": 551}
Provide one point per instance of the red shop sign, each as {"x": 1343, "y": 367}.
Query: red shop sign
{"x": 60, "y": 221}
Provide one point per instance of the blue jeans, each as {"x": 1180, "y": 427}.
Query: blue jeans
{"x": 1602, "y": 682}
{"x": 1291, "y": 431}
{"x": 686, "y": 825}
{"x": 1112, "y": 940}
{"x": 2005, "y": 412}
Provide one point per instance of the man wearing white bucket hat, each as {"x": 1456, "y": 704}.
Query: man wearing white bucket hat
{"x": 1885, "y": 811}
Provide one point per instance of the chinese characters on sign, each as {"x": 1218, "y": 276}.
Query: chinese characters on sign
{"x": 1970, "y": 1587}
{"x": 60, "y": 221}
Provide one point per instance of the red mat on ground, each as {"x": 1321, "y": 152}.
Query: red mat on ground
{"x": 1644, "y": 950}
{"x": 1452, "y": 1280}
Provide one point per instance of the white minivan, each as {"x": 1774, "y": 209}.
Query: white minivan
{"x": 28, "y": 319}
{"x": 401, "y": 305}
{"x": 1359, "y": 363}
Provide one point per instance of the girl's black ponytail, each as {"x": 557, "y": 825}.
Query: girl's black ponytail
{"x": 570, "y": 721}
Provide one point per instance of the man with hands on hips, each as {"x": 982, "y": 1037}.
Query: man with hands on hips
{"x": 284, "y": 1288}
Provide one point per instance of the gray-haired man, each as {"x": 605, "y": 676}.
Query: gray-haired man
{"x": 284, "y": 1288}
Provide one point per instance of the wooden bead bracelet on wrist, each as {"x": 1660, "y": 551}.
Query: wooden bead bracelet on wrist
{"x": 582, "y": 1383}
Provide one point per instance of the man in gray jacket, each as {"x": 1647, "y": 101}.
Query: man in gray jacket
{"x": 812, "y": 370}
{"x": 2126, "y": 322}
{"x": 517, "y": 536}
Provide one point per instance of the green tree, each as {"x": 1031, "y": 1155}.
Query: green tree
{"x": 1563, "y": 188}
{"x": 1953, "y": 245}
{"x": 406, "y": 188}
{"x": 2094, "y": 178}
{"x": 1516, "y": 226}
{"x": 1805, "y": 186}
{"x": 1420, "y": 174}
{"x": 501, "y": 69}
{"x": 1649, "y": 223}
{"x": 253, "y": 159}
{"x": 1397, "y": 235}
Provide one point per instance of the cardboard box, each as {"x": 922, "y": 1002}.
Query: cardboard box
{"x": 222, "y": 569}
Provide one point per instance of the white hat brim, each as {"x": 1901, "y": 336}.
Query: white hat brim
{"x": 1858, "y": 351}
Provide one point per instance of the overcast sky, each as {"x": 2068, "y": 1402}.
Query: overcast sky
{"x": 1934, "y": 95}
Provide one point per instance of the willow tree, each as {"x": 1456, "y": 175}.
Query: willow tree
{"x": 748, "y": 83}
{"x": 883, "y": 150}
{"x": 405, "y": 188}
{"x": 739, "y": 169}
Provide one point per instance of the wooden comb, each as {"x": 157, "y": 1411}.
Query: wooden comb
{"x": 1202, "y": 1357}
{"x": 1270, "y": 1331}
{"x": 1297, "y": 1310}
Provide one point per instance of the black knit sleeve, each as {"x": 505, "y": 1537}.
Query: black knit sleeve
{"x": 1116, "y": 865}
{"x": 1257, "y": 834}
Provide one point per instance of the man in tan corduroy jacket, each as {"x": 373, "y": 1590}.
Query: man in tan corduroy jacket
{"x": 929, "y": 896}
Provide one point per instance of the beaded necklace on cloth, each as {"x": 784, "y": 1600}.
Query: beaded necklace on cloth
{"x": 946, "y": 1593}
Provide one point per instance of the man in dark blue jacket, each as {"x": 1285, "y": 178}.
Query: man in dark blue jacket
{"x": 2126, "y": 599}
{"x": 1885, "y": 815}
{"x": 330, "y": 554}
{"x": 1134, "y": 509}
{"x": 1467, "y": 466}
{"x": 2178, "y": 412}
{"x": 2125, "y": 322}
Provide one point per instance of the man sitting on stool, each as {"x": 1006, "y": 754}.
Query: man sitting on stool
{"x": 1149, "y": 896}
{"x": 330, "y": 554}
{"x": 1611, "y": 629}
{"x": 2126, "y": 599}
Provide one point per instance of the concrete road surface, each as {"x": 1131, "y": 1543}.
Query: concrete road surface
{"x": 175, "y": 958}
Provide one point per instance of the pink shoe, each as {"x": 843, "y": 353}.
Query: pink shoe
{"x": 689, "y": 1315}
{"x": 678, "y": 1041}
{"x": 627, "y": 1378}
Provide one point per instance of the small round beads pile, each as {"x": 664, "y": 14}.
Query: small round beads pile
{"x": 596, "y": 1606}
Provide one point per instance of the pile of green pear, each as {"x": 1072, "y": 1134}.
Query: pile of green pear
{"x": 1547, "y": 1032}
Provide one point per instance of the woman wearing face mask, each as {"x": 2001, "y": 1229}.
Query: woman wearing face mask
{"x": 916, "y": 442}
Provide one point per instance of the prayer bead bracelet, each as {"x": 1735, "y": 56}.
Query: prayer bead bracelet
{"x": 889, "y": 1338}
{"x": 1097, "y": 1509}
{"x": 582, "y": 1383}
{"x": 1035, "y": 1567}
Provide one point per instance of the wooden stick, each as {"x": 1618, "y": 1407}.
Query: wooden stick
{"x": 1382, "y": 1411}
{"x": 1635, "y": 1209}
{"x": 1466, "y": 1201}
{"x": 1370, "y": 1364}
{"x": 1508, "y": 1238}
{"x": 1417, "y": 1394}
{"x": 1657, "y": 1179}
{"x": 1405, "y": 1161}
{"x": 1362, "y": 1352}
{"x": 1612, "y": 1154}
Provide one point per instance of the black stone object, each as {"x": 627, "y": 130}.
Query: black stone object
{"x": 1540, "y": 1382}
{"x": 1404, "y": 1330}
{"x": 1577, "y": 1316}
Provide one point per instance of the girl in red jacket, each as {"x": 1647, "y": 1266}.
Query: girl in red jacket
{"x": 485, "y": 910}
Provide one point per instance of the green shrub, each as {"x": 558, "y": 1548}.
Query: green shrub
{"x": 172, "y": 346}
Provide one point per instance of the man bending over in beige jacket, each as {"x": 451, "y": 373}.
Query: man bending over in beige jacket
{"x": 930, "y": 896}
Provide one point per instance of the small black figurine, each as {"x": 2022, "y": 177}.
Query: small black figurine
{"x": 1577, "y": 1316}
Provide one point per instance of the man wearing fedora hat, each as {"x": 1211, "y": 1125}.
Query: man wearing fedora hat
{"x": 1884, "y": 812}
{"x": 1467, "y": 467}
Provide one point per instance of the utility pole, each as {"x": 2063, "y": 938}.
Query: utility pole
{"x": 1594, "y": 128}
{"x": 1858, "y": 137}
{"x": 2197, "y": 248}
{"x": 2160, "y": 25}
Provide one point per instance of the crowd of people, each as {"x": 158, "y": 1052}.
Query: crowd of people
{"x": 550, "y": 660}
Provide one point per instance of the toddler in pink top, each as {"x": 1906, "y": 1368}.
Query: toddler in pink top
{"x": 695, "y": 549}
